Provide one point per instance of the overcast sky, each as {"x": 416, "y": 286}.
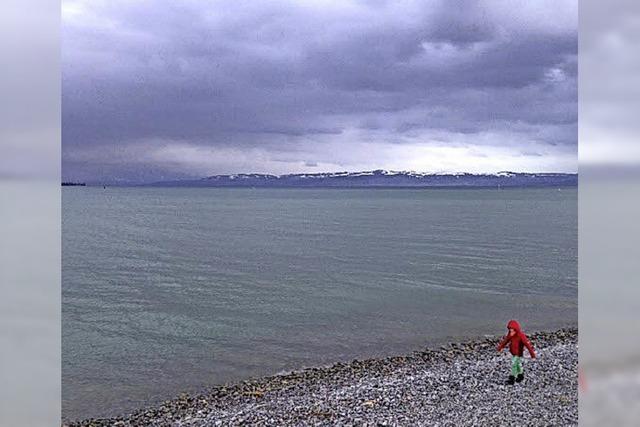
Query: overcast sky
{"x": 164, "y": 89}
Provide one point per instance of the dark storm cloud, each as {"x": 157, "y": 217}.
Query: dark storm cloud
{"x": 256, "y": 81}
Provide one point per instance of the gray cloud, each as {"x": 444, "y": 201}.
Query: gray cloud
{"x": 287, "y": 79}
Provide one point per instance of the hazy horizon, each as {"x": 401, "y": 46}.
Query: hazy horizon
{"x": 128, "y": 182}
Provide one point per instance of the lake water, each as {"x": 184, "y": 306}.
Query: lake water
{"x": 174, "y": 289}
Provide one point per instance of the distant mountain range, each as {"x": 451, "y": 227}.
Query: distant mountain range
{"x": 380, "y": 178}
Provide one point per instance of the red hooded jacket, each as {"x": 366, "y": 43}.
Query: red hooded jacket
{"x": 517, "y": 342}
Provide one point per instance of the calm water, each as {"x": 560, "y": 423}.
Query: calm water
{"x": 169, "y": 290}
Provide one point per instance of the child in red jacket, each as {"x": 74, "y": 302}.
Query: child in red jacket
{"x": 517, "y": 341}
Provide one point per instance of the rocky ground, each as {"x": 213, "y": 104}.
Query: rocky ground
{"x": 460, "y": 384}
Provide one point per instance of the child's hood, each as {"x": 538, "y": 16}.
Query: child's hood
{"x": 513, "y": 324}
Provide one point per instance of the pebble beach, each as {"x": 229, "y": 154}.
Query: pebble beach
{"x": 454, "y": 385}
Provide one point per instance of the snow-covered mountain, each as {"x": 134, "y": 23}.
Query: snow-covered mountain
{"x": 381, "y": 178}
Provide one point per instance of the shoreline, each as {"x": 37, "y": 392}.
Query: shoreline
{"x": 451, "y": 385}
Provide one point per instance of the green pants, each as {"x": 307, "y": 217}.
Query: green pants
{"x": 516, "y": 366}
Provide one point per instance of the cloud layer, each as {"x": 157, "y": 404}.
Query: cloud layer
{"x": 163, "y": 89}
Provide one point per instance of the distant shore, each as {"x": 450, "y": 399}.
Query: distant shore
{"x": 367, "y": 179}
{"x": 458, "y": 384}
